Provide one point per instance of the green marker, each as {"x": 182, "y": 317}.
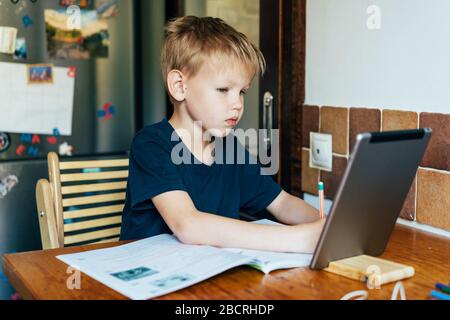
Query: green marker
{"x": 321, "y": 203}
{"x": 443, "y": 287}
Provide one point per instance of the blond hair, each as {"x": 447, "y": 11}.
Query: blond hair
{"x": 191, "y": 40}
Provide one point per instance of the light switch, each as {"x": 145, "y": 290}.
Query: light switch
{"x": 321, "y": 155}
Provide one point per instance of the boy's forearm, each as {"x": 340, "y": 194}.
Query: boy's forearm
{"x": 210, "y": 229}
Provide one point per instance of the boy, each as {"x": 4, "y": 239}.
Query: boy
{"x": 207, "y": 67}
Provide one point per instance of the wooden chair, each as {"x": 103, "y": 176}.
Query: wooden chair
{"x": 82, "y": 201}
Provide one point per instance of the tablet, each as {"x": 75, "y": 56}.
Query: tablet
{"x": 373, "y": 188}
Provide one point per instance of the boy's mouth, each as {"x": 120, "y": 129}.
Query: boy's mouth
{"x": 232, "y": 121}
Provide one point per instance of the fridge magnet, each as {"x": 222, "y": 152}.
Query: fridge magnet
{"x": 51, "y": 140}
{"x": 65, "y": 149}
{"x": 72, "y": 72}
{"x": 21, "y": 49}
{"x": 20, "y": 150}
{"x": 33, "y": 151}
{"x": 7, "y": 184}
{"x": 36, "y": 139}
{"x": 83, "y": 4}
{"x": 112, "y": 110}
{"x": 26, "y": 138}
{"x": 26, "y": 20}
{"x": 86, "y": 39}
{"x": 5, "y": 141}
{"x": 107, "y": 9}
{"x": 8, "y": 37}
{"x": 40, "y": 73}
{"x": 56, "y": 132}
{"x": 107, "y": 111}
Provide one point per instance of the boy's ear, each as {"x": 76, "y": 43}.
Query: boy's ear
{"x": 176, "y": 86}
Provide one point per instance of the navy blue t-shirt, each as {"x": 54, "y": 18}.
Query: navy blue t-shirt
{"x": 222, "y": 189}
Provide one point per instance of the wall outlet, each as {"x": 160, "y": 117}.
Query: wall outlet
{"x": 321, "y": 154}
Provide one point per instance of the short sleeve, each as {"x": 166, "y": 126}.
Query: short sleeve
{"x": 151, "y": 172}
{"x": 257, "y": 190}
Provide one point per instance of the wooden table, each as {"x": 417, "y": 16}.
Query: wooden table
{"x": 39, "y": 275}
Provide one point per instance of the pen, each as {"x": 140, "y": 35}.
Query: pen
{"x": 439, "y": 295}
{"x": 443, "y": 287}
{"x": 321, "y": 187}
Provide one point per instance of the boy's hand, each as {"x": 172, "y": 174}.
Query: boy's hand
{"x": 316, "y": 230}
{"x": 309, "y": 234}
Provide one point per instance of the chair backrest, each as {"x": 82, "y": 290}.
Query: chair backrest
{"x": 82, "y": 201}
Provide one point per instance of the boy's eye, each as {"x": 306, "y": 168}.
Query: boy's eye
{"x": 225, "y": 90}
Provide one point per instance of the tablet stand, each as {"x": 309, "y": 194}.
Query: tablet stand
{"x": 373, "y": 271}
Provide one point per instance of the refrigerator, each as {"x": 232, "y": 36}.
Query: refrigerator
{"x": 100, "y": 81}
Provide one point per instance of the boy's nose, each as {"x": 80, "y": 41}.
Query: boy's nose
{"x": 238, "y": 105}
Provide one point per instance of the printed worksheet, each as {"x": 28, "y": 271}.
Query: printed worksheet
{"x": 161, "y": 264}
{"x": 154, "y": 266}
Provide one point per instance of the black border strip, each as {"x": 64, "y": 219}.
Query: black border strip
{"x": 378, "y": 137}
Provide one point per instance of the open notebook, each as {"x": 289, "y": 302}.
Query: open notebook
{"x": 161, "y": 264}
